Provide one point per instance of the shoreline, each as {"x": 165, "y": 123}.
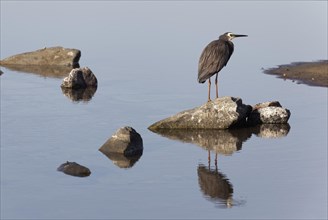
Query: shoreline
{"x": 309, "y": 73}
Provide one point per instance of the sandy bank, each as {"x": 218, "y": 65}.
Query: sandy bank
{"x": 310, "y": 73}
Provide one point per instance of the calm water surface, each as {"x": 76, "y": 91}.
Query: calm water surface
{"x": 145, "y": 57}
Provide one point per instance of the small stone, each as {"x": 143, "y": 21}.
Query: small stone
{"x": 268, "y": 113}
{"x": 80, "y": 78}
{"x": 74, "y": 169}
{"x": 125, "y": 141}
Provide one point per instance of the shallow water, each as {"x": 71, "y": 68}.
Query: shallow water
{"x": 145, "y": 56}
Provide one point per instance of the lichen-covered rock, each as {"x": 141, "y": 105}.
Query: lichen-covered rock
{"x": 52, "y": 56}
{"x": 80, "y": 78}
{"x": 125, "y": 141}
{"x": 222, "y": 113}
{"x": 268, "y": 113}
{"x": 74, "y": 169}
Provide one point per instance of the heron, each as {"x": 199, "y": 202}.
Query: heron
{"x": 214, "y": 57}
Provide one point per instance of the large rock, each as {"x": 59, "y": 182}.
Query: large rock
{"x": 222, "y": 113}
{"x": 268, "y": 113}
{"x": 80, "y": 78}
{"x": 52, "y": 56}
{"x": 124, "y": 141}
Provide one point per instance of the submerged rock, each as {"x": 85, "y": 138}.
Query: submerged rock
{"x": 222, "y": 113}
{"x": 268, "y": 113}
{"x": 74, "y": 169}
{"x": 80, "y": 78}
{"x": 125, "y": 141}
{"x": 52, "y": 56}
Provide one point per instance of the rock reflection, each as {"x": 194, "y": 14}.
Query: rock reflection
{"x": 224, "y": 142}
{"x": 42, "y": 70}
{"x": 271, "y": 130}
{"x": 121, "y": 160}
{"x": 215, "y": 186}
{"x": 77, "y": 95}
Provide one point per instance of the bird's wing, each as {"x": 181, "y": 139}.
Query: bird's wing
{"x": 213, "y": 58}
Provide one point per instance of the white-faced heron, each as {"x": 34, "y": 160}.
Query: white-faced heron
{"x": 214, "y": 57}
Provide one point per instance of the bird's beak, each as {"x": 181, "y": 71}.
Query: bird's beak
{"x": 240, "y": 35}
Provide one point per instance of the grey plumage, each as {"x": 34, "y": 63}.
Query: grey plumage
{"x": 214, "y": 57}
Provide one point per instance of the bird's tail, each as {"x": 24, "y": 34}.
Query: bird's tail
{"x": 201, "y": 79}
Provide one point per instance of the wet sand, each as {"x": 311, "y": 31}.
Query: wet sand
{"x": 310, "y": 73}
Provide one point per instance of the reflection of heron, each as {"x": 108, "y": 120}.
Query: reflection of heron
{"x": 215, "y": 185}
{"x": 214, "y": 57}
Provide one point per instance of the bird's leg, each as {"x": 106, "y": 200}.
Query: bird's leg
{"x": 209, "y": 158}
{"x": 216, "y": 160}
{"x": 209, "y": 90}
{"x": 217, "y": 86}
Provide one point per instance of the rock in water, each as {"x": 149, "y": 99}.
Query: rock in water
{"x": 52, "y": 56}
{"x": 268, "y": 113}
{"x": 80, "y": 78}
{"x": 74, "y": 169}
{"x": 222, "y": 113}
{"x": 125, "y": 141}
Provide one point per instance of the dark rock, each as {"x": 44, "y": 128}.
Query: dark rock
{"x": 125, "y": 141}
{"x": 80, "y": 78}
{"x": 268, "y": 113}
{"x": 74, "y": 169}
{"x": 52, "y": 56}
{"x": 222, "y": 113}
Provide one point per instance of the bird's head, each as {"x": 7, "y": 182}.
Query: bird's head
{"x": 229, "y": 36}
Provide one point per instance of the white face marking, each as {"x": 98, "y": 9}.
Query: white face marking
{"x": 230, "y": 35}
